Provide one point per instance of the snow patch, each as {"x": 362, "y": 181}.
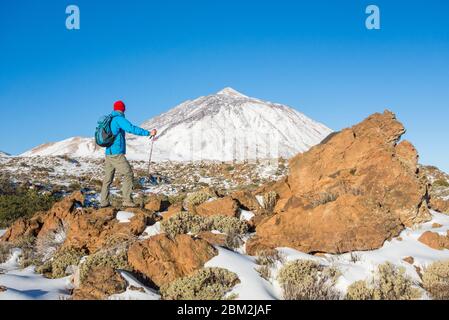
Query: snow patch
{"x": 251, "y": 286}
{"x": 246, "y": 215}
{"x": 124, "y": 217}
{"x": 25, "y": 284}
{"x": 152, "y": 230}
{"x": 143, "y": 292}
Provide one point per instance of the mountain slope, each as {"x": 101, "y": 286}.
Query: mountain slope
{"x": 224, "y": 126}
{"x": 4, "y": 154}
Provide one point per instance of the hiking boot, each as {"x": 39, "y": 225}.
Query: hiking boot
{"x": 103, "y": 206}
{"x": 129, "y": 204}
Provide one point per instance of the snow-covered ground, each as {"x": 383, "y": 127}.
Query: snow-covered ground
{"x": 26, "y": 284}
{"x": 254, "y": 287}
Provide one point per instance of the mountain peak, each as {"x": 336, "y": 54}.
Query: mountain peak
{"x": 228, "y": 91}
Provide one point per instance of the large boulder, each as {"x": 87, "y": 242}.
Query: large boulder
{"x": 220, "y": 207}
{"x": 100, "y": 283}
{"x": 355, "y": 190}
{"x": 163, "y": 260}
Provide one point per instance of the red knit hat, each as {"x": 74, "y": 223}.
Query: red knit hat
{"x": 119, "y": 106}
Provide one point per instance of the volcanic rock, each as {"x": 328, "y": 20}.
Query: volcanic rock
{"x": 163, "y": 260}
{"x": 352, "y": 192}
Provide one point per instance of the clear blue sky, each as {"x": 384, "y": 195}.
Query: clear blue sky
{"x": 314, "y": 55}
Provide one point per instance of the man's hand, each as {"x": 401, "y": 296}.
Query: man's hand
{"x": 153, "y": 133}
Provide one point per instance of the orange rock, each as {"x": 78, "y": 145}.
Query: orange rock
{"x": 439, "y": 205}
{"x": 436, "y": 225}
{"x": 247, "y": 201}
{"x": 163, "y": 260}
{"x": 172, "y": 211}
{"x": 88, "y": 229}
{"x": 214, "y": 239}
{"x": 352, "y": 192}
{"x": 156, "y": 204}
{"x": 101, "y": 282}
{"x": 409, "y": 260}
{"x": 435, "y": 240}
{"x": 220, "y": 207}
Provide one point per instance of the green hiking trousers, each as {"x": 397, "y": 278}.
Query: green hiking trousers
{"x": 119, "y": 164}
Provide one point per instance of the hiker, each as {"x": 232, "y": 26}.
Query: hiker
{"x": 116, "y": 161}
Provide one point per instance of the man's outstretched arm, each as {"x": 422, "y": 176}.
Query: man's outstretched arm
{"x": 127, "y": 126}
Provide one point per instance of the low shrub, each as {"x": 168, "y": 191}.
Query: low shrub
{"x": 57, "y": 266}
{"x": 29, "y": 255}
{"x": 359, "y": 290}
{"x": 441, "y": 183}
{"x": 197, "y": 198}
{"x": 5, "y": 251}
{"x": 389, "y": 283}
{"x": 266, "y": 260}
{"x": 228, "y": 225}
{"x": 204, "y": 284}
{"x": 435, "y": 280}
{"x": 23, "y": 203}
{"x": 184, "y": 222}
{"x": 308, "y": 280}
{"x": 116, "y": 258}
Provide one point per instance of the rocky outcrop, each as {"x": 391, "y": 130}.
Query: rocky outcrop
{"x": 163, "y": 260}
{"x": 247, "y": 201}
{"x": 101, "y": 282}
{"x": 83, "y": 228}
{"x": 354, "y": 191}
{"x": 220, "y": 207}
{"x": 435, "y": 240}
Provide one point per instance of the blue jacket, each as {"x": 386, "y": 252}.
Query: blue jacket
{"x": 119, "y": 125}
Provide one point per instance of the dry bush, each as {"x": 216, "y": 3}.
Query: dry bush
{"x": 5, "y": 251}
{"x": 47, "y": 246}
{"x": 269, "y": 200}
{"x": 197, "y": 198}
{"x": 266, "y": 260}
{"x": 204, "y": 284}
{"x": 58, "y": 266}
{"x": 116, "y": 258}
{"x": 389, "y": 283}
{"x": 269, "y": 258}
{"x": 233, "y": 241}
{"x": 359, "y": 290}
{"x": 435, "y": 280}
{"x": 29, "y": 255}
{"x": 228, "y": 225}
{"x": 184, "y": 222}
{"x": 308, "y": 280}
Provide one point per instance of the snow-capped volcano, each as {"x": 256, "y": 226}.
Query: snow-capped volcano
{"x": 224, "y": 126}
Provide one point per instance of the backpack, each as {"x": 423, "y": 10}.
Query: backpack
{"x": 103, "y": 133}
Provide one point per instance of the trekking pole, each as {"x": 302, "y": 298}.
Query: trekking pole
{"x": 151, "y": 155}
